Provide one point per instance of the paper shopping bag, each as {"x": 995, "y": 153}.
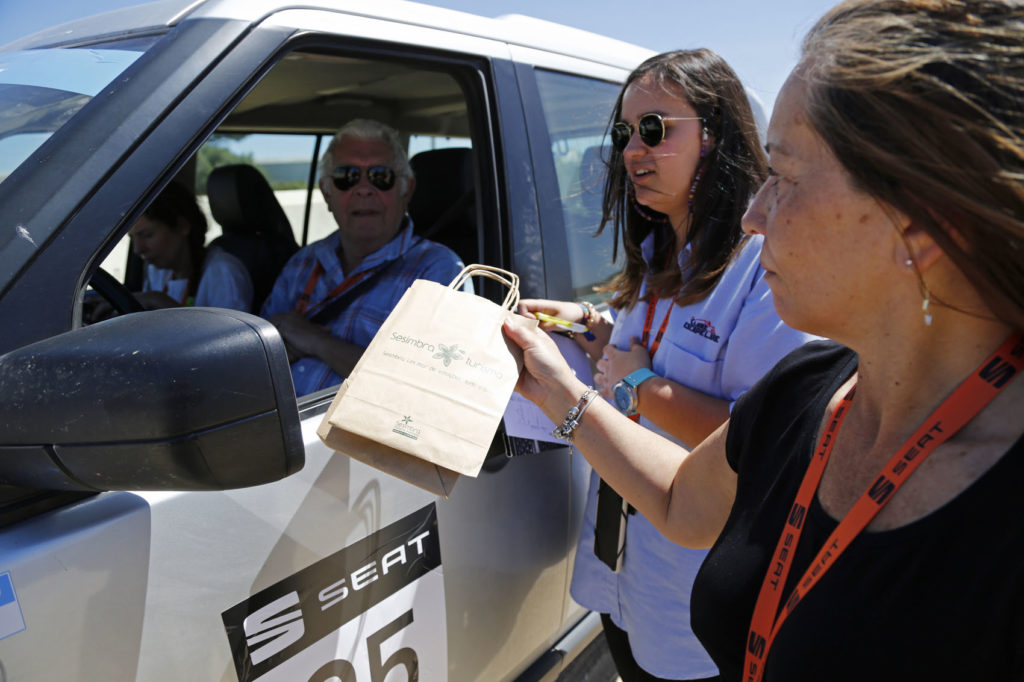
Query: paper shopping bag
{"x": 427, "y": 395}
{"x": 426, "y": 475}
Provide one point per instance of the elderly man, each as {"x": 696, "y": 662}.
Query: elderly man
{"x": 333, "y": 295}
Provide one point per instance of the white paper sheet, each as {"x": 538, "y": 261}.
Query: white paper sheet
{"x": 523, "y": 419}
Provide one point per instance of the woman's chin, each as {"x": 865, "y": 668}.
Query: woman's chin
{"x": 657, "y": 201}
{"x": 656, "y": 206}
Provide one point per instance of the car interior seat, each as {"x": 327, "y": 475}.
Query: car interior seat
{"x": 443, "y": 206}
{"x": 256, "y": 229}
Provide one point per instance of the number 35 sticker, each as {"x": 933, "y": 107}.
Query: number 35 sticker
{"x": 375, "y": 607}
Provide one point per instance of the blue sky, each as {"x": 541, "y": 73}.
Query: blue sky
{"x": 759, "y": 38}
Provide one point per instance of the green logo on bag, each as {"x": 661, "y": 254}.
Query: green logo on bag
{"x": 412, "y": 341}
{"x": 448, "y": 353}
{"x": 404, "y": 427}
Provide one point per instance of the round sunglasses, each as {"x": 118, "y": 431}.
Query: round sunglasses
{"x": 650, "y": 127}
{"x": 347, "y": 177}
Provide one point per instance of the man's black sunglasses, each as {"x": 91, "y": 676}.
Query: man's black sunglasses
{"x": 347, "y": 177}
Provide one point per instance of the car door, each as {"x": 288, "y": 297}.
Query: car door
{"x": 336, "y": 571}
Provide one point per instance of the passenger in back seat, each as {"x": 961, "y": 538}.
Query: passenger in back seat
{"x": 333, "y": 294}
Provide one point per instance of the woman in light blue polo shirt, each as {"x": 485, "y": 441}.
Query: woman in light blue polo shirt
{"x": 694, "y": 327}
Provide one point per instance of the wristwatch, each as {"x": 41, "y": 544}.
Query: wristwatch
{"x": 625, "y": 390}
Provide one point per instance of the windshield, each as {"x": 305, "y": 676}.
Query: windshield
{"x": 41, "y": 90}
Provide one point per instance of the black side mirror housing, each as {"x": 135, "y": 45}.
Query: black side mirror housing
{"x": 177, "y": 399}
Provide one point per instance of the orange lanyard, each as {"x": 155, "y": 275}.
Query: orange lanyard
{"x": 652, "y": 303}
{"x": 958, "y": 409}
{"x": 314, "y": 277}
{"x": 649, "y": 320}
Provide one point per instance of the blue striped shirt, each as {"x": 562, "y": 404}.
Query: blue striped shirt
{"x": 358, "y": 323}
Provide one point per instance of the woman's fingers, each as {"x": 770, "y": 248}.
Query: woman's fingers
{"x": 544, "y": 368}
{"x": 565, "y": 310}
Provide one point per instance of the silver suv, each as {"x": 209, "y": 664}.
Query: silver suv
{"x": 167, "y": 511}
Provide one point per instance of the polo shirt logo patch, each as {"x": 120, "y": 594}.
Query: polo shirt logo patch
{"x": 702, "y": 328}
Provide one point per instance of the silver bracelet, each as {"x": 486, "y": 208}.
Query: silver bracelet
{"x": 572, "y": 420}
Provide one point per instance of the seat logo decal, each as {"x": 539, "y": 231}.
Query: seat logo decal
{"x": 375, "y": 605}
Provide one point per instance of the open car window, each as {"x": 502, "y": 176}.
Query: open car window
{"x": 282, "y": 126}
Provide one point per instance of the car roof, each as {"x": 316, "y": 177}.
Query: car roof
{"x": 514, "y": 29}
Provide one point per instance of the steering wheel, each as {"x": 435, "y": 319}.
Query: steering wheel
{"x": 115, "y": 293}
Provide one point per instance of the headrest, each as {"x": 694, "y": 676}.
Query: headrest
{"x": 443, "y": 177}
{"x": 242, "y": 202}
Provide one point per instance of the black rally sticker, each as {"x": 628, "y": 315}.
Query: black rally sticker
{"x": 280, "y": 622}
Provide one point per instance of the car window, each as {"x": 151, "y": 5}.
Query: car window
{"x": 41, "y": 91}
{"x": 282, "y": 125}
{"x": 421, "y": 143}
{"x": 285, "y": 161}
{"x": 576, "y": 110}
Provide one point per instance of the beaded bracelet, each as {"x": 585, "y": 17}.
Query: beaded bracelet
{"x": 590, "y": 314}
{"x": 572, "y": 420}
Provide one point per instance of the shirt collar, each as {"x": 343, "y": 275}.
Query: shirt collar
{"x": 647, "y": 251}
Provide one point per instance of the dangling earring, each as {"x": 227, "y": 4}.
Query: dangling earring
{"x": 927, "y": 300}
{"x": 700, "y": 167}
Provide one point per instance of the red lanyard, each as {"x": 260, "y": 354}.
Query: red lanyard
{"x": 314, "y": 277}
{"x": 652, "y": 303}
{"x": 649, "y": 320}
{"x": 958, "y": 409}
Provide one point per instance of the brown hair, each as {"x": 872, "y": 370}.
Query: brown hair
{"x": 177, "y": 201}
{"x": 922, "y": 103}
{"x": 733, "y": 170}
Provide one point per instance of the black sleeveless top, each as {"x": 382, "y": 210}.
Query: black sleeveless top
{"x": 941, "y": 598}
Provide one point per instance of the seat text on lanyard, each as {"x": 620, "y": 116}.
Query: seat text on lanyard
{"x": 977, "y": 391}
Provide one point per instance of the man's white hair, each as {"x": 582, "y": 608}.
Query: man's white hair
{"x": 368, "y": 129}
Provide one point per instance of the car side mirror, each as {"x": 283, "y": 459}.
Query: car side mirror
{"x": 177, "y": 399}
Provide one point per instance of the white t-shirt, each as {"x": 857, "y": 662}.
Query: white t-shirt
{"x": 225, "y": 282}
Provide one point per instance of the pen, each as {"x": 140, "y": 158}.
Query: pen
{"x": 569, "y": 327}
